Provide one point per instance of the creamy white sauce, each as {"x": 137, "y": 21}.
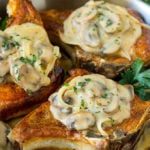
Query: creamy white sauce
{"x": 102, "y": 28}
{"x": 27, "y": 55}
{"x": 91, "y": 101}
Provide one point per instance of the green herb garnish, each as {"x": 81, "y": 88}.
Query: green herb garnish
{"x": 139, "y": 78}
{"x": 66, "y": 84}
{"x": 81, "y": 84}
{"x": 146, "y": 1}
{"x": 29, "y": 91}
{"x": 87, "y": 79}
{"x": 83, "y": 104}
{"x": 28, "y": 60}
{"x": 3, "y": 24}
{"x": 108, "y": 23}
{"x": 104, "y": 95}
{"x": 19, "y": 78}
{"x": 9, "y": 43}
{"x": 75, "y": 89}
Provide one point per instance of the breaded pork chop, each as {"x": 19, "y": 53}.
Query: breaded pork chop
{"x": 74, "y": 30}
{"x": 15, "y": 96}
{"x": 40, "y": 130}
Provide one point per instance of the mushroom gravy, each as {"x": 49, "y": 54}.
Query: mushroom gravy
{"x": 91, "y": 101}
{"x": 102, "y": 28}
{"x": 27, "y": 56}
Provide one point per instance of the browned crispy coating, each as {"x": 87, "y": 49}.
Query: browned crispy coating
{"x": 113, "y": 65}
{"x": 22, "y": 11}
{"x": 14, "y": 101}
{"x": 41, "y": 125}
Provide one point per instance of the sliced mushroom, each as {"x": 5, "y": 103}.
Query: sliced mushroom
{"x": 80, "y": 121}
{"x": 4, "y": 65}
{"x": 65, "y": 110}
{"x": 119, "y": 133}
{"x": 7, "y": 45}
{"x": 92, "y": 134}
{"x": 29, "y": 77}
{"x": 126, "y": 93}
{"x": 112, "y": 46}
{"x": 91, "y": 35}
{"x": 53, "y": 98}
{"x": 113, "y": 105}
{"x": 70, "y": 98}
{"x": 102, "y": 101}
{"x": 95, "y": 88}
{"x": 25, "y": 75}
{"x": 87, "y": 14}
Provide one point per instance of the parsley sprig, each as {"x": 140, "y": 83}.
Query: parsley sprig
{"x": 146, "y": 1}
{"x": 139, "y": 78}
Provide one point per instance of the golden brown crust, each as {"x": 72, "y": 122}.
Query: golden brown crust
{"x": 21, "y": 11}
{"x": 41, "y": 124}
{"x": 142, "y": 46}
{"x": 14, "y": 101}
{"x": 53, "y": 23}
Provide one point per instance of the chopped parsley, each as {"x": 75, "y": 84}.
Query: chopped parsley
{"x": 75, "y": 89}
{"x": 108, "y": 23}
{"x": 83, "y": 104}
{"x": 87, "y": 79}
{"x": 8, "y": 43}
{"x": 28, "y": 60}
{"x": 14, "y": 44}
{"x": 19, "y": 78}
{"x": 101, "y": 16}
{"x": 104, "y": 95}
{"x": 81, "y": 84}
{"x": 29, "y": 91}
{"x": 66, "y": 84}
